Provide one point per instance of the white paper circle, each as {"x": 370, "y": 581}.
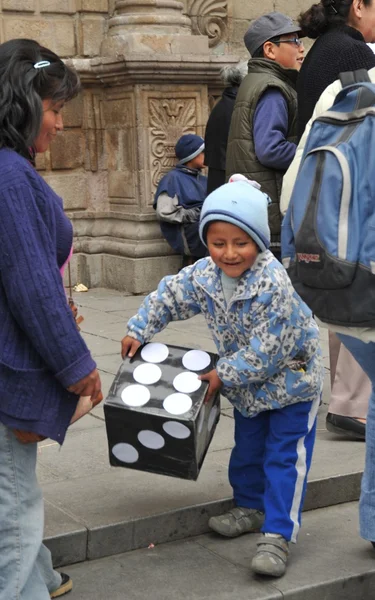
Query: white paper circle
{"x": 201, "y": 418}
{"x": 187, "y": 382}
{"x": 154, "y": 352}
{"x": 177, "y": 404}
{"x": 196, "y": 360}
{"x": 135, "y": 395}
{"x": 211, "y": 418}
{"x": 151, "y": 439}
{"x": 147, "y": 374}
{"x": 176, "y": 430}
{"x": 125, "y": 452}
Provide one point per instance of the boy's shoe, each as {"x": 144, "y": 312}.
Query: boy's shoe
{"x": 237, "y": 521}
{"x": 271, "y": 556}
{"x": 65, "y": 586}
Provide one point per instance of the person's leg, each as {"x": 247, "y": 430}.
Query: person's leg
{"x": 246, "y": 473}
{"x": 334, "y": 345}
{"x": 289, "y": 448}
{"x": 51, "y": 577}
{"x": 246, "y": 476}
{"x": 351, "y": 389}
{"x": 215, "y": 179}
{"x": 288, "y": 455}
{"x": 21, "y": 521}
{"x": 365, "y": 356}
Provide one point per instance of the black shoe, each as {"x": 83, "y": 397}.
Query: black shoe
{"x": 346, "y": 426}
{"x": 64, "y": 588}
{"x": 373, "y": 543}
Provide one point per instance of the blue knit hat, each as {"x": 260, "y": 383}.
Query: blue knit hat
{"x": 240, "y": 203}
{"x": 188, "y": 147}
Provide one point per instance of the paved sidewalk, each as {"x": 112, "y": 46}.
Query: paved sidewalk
{"x": 93, "y": 510}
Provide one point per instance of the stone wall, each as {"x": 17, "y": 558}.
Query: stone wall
{"x": 150, "y": 71}
{"x": 69, "y": 27}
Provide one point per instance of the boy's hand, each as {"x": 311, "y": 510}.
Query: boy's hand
{"x": 129, "y": 346}
{"x": 214, "y": 382}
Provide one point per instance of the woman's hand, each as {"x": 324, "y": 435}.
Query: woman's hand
{"x": 214, "y": 384}
{"x": 28, "y": 437}
{"x": 129, "y": 346}
{"x": 89, "y": 386}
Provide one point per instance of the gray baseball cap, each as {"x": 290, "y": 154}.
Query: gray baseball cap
{"x": 267, "y": 27}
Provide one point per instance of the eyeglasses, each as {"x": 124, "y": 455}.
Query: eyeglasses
{"x": 297, "y": 41}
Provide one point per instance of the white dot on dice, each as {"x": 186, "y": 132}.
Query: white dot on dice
{"x": 196, "y": 360}
{"x": 125, "y": 452}
{"x": 155, "y": 352}
{"x": 151, "y": 439}
{"x": 176, "y": 430}
{"x": 177, "y": 404}
{"x": 147, "y": 374}
{"x": 135, "y": 395}
{"x": 187, "y": 382}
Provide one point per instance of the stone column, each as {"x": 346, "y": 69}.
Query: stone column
{"x": 157, "y": 26}
{"x": 149, "y": 87}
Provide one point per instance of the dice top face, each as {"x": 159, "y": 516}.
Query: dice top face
{"x": 156, "y": 417}
{"x": 157, "y": 381}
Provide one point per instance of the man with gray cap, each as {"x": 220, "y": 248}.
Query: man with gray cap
{"x": 263, "y": 131}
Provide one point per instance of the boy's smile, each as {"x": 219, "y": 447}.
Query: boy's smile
{"x": 231, "y": 248}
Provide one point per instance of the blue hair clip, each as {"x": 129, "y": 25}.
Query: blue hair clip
{"x": 41, "y": 64}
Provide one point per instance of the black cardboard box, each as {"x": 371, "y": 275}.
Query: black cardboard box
{"x": 169, "y": 438}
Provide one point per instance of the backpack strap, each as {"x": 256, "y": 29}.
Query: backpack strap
{"x": 360, "y": 80}
{"x": 351, "y": 77}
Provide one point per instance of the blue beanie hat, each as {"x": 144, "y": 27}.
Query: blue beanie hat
{"x": 241, "y": 204}
{"x": 188, "y": 147}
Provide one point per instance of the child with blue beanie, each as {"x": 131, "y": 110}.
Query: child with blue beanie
{"x": 270, "y": 364}
{"x": 179, "y": 197}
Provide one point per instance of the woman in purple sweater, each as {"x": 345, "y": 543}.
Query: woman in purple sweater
{"x": 44, "y": 363}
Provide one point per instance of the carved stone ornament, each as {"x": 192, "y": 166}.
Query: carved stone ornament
{"x": 209, "y": 17}
{"x": 169, "y": 120}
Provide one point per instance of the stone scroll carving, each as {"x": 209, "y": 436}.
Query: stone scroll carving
{"x": 209, "y": 17}
{"x": 169, "y": 119}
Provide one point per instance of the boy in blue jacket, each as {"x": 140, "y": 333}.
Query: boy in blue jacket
{"x": 269, "y": 368}
{"x": 179, "y": 198}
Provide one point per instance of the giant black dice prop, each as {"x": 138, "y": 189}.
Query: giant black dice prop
{"x": 155, "y": 413}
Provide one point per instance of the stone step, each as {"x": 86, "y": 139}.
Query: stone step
{"x": 108, "y": 511}
{"x": 330, "y": 562}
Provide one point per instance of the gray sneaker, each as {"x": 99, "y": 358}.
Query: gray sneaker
{"x": 237, "y": 521}
{"x": 271, "y": 556}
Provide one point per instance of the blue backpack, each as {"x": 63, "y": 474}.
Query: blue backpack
{"x": 328, "y": 234}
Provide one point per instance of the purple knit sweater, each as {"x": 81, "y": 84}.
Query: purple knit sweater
{"x": 41, "y": 351}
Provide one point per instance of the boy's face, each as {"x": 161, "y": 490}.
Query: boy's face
{"x": 197, "y": 162}
{"x": 231, "y": 248}
{"x": 286, "y": 52}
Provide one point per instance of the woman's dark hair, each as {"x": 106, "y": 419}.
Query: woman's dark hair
{"x": 23, "y": 87}
{"x": 328, "y": 13}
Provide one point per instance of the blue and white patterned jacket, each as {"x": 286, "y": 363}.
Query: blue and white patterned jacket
{"x": 263, "y": 330}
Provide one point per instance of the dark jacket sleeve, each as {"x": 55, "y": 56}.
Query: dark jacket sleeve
{"x": 271, "y": 123}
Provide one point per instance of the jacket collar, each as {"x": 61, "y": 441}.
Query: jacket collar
{"x": 208, "y": 276}
{"x": 231, "y": 92}
{"x": 264, "y": 65}
{"x": 351, "y": 31}
{"x": 184, "y": 169}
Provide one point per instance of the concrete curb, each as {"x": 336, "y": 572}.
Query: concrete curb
{"x": 97, "y": 542}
